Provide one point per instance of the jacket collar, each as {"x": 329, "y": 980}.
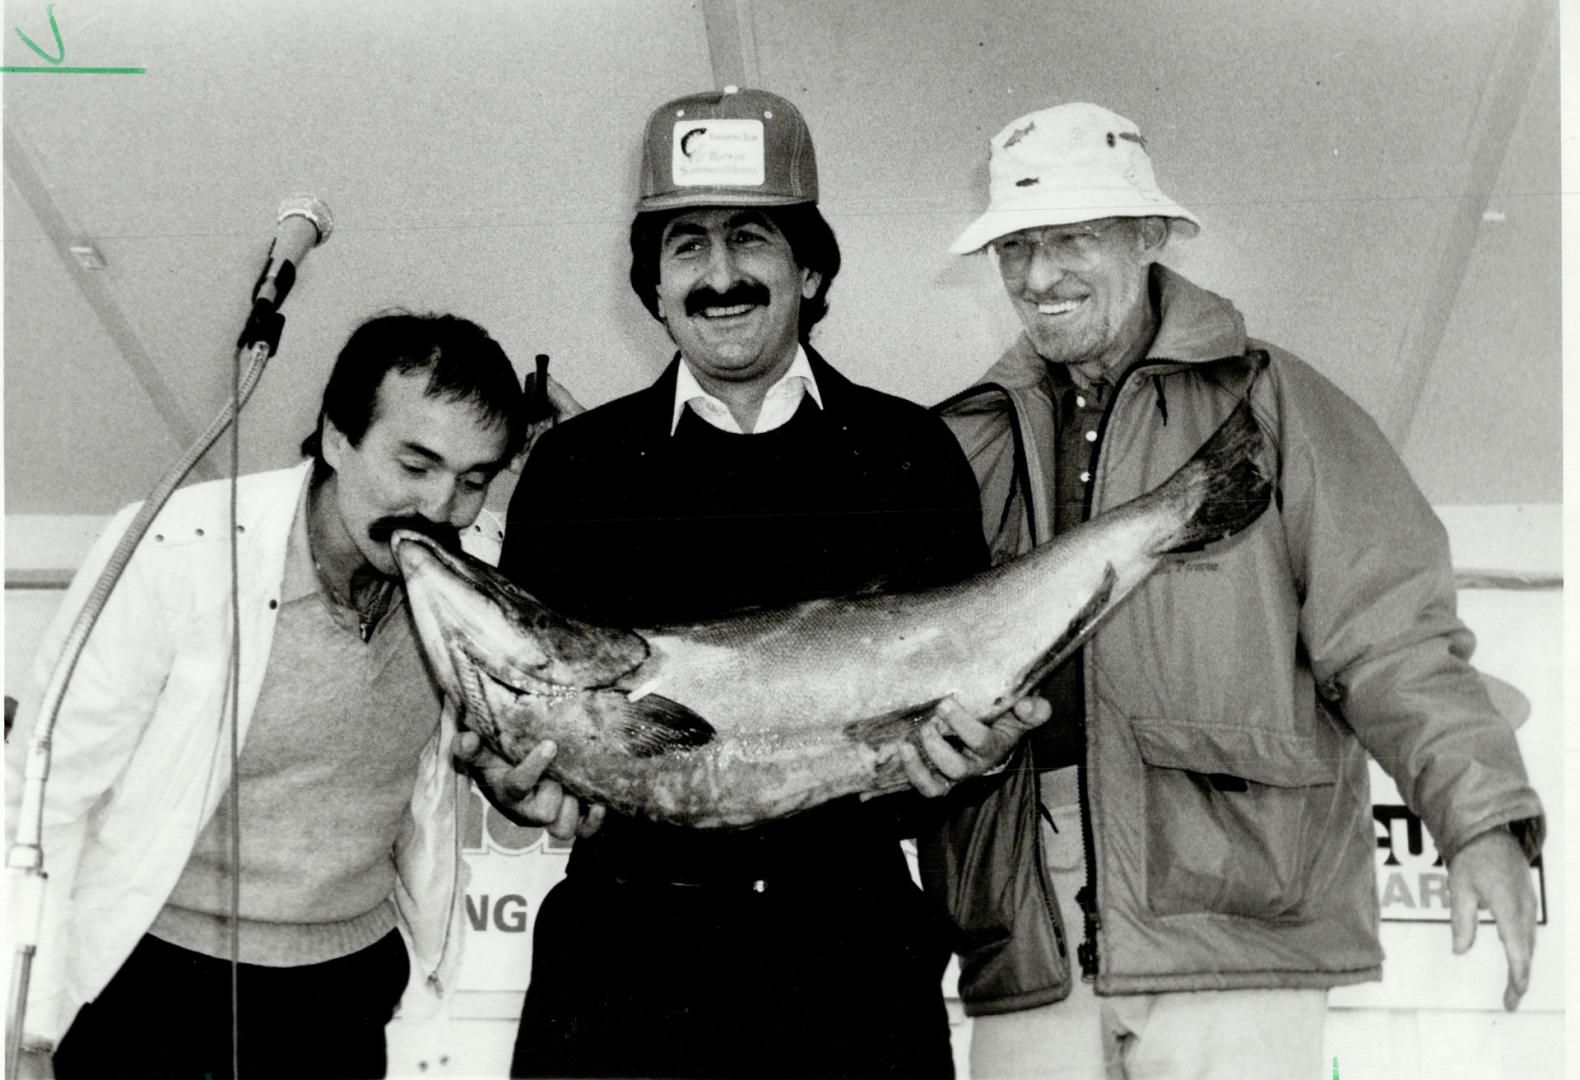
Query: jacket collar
{"x": 1194, "y": 326}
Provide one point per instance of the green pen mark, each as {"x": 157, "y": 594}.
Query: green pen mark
{"x": 73, "y": 70}
{"x": 54, "y": 30}
{"x": 54, "y": 62}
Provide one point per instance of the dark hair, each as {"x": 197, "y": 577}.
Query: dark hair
{"x": 811, "y": 241}
{"x": 463, "y": 364}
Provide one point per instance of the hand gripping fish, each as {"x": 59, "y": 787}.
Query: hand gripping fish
{"x": 771, "y": 711}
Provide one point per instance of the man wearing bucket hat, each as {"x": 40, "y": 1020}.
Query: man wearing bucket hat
{"x": 750, "y": 473}
{"x": 1208, "y": 822}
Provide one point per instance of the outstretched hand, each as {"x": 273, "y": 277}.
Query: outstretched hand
{"x": 522, "y": 793}
{"x": 1492, "y": 872}
{"x": 952, "y": 745}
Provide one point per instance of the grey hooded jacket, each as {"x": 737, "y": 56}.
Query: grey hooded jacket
{"x": 1232, "y": 701}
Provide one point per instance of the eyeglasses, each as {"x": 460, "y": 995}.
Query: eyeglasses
{"x": 1071, "y": 245}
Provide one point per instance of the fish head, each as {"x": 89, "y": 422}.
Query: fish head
{"x": 495, "y": 649}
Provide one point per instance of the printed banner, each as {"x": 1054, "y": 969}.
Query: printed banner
{"x": 1412, "y": 881}
{"x": 512, "y": 869}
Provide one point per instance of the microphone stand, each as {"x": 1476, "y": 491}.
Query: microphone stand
{"x": 25, "y": 860}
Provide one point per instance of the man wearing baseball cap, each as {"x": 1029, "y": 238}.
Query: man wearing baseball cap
{"x": 1210, "y": 843}
{"x": 750, "y": 473}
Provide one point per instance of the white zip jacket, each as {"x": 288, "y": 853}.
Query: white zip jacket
{"x": 142, "y": 752}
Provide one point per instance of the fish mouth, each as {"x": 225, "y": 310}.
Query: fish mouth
{"x": 472, "y": 620}
{"x": 519, "y": 684}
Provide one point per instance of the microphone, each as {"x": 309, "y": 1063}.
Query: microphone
{"x": 303, "y": 224}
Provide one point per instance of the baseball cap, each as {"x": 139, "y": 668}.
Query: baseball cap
{"x": 730, "y": 147}
{"x": 1073, "y": 162}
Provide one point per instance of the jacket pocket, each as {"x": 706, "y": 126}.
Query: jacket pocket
{"x": 1234, "y": 818}
{"x": 983, "y": 860}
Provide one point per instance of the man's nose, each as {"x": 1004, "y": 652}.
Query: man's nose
{"x": 722, "y": 271}
{"x": 1044, "y": 270}
{"x": 437, "y": 501}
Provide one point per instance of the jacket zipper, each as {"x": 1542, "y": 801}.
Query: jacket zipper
{"x": 1086, "y": 896}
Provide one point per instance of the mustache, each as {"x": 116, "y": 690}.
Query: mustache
{"x": 447, "y": 536}
{"x": 743, "y": 292}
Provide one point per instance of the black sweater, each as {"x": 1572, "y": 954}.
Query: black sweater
{"x": 615, "y": 520}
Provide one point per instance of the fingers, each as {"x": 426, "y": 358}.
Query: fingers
{"x": 1491, "y": 871}
{"x": 953, "y": 745}
{"x": 564, "y": 404}
{"x": 522, "y": 793}
{"x": 566, "y": 817}
{"x": 1516, "y": 920}
{"x": 575, "y": 818}
{"x": 950, "y": 718}
{"x": 920, "y": 774}
{"x": 1462, "y": 904}
{"x": 1519, "y": 982}
{"x": 511, "y": 784}
{"x": 592, "y": 821}
{"x": 524, "y": 775}
{"x": 465, "y": 746}
{"x": 1032, "y": 712}
{"x": 959, "y": 757}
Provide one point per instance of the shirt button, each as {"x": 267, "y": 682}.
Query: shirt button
{"x": 1086, "y": 478}
{"x": 1080, "y": 401}
{"x": 1091, "y": 436}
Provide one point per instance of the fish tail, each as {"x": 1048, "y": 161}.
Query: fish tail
{"x": 1223, "y": 487}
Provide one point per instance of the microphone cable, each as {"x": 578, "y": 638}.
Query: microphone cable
{"x": 235, "y": 724}
{"x": 302, "y": 224}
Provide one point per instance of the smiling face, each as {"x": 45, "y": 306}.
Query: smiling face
{"x": 1081, "y": 290}
{"x": 730, "y": 292}
{"x": 421, "y": 457}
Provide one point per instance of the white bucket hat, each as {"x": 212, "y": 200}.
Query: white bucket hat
{"x": 1070, "y": 163}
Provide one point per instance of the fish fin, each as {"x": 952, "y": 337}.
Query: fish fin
{"x": 1082, "y": 624}
{"x": 891, "y": 726}
{"x": 656, "y": 725}
{"x": 1223, "y": 487}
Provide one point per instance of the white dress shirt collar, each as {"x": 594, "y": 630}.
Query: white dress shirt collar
{"x": 779, "y": 404}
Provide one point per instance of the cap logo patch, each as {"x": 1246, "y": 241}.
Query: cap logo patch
{"x": 718, "y": 152}
{"x": 1019, "y": 133}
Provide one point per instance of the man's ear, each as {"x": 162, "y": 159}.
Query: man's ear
{"x": 1154, "y": 234}
{"x": 810, "y": 280}
{"x": 333, "y": 444}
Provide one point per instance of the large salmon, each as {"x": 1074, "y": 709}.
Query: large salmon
{"x": 772, "y": 711}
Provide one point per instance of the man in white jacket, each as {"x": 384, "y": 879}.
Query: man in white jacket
{"x": 324, "y": 857}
